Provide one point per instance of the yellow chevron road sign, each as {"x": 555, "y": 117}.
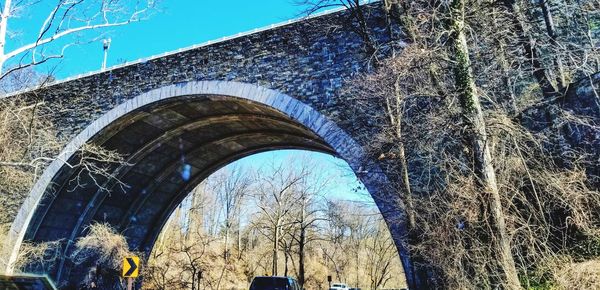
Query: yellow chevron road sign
{"x": 131, "y": 267}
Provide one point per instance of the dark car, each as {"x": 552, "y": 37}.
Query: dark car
{"x": 274, "y": 283}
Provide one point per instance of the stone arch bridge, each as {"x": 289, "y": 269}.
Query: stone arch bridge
{"x": 217, "y": 102}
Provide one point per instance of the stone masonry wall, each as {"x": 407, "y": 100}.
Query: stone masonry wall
{"x": 309, "y": 60}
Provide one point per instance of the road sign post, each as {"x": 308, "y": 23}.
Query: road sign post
{"x": 131, "y": 269}
{"x": 329, "y": 280}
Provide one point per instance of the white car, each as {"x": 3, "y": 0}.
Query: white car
{"x": 338, "y": 286}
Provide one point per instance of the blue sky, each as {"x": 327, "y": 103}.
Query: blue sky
{"x": 179, "y": 24}
{"x": 344, "y": 183}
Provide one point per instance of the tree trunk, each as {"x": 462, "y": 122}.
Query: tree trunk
{"x": 301, "y": 243}
{"x": 478, "y": 137}
{"x": 589, "y": 28}
{"x": 396, "y": 119}
{"x": 410, "y": 210}
{"x": 275, "y": 249}
{"x": 357, "y": 253}
{"x": 531, "y": 53}
{"x": 399, "y": 12}
{"x": 225, "y": 251}
{"x": 396, "y": 116}
{"x": 560, "y": 78}
{"x": 286, "y": 259}
{"x": 193, "y": 278}
{"x": 239, "y": 236}
{"x": 363, "y": 28}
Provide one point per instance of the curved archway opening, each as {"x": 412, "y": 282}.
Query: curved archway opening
{"x": 172, "y": 139}
{"x": 290, "y": 213}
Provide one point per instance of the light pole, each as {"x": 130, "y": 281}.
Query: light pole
{"x": 105, "y": 46}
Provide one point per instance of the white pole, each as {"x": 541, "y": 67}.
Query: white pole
{"x": 105, "y": 46}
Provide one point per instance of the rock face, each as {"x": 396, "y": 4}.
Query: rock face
{"x": 583, "y": 99}
{"x": 180, "y": 117}
{"x": 574, "y": 134}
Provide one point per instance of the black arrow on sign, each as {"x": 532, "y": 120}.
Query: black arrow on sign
{"x": 132, "y": 268}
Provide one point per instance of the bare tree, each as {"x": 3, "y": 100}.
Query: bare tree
{"x": 66, "y": 18}
{"x": 28, "y": 143}
{"x": 477, "y": 134}
{"x": 105, "y": 249}
{"x": 380, "y": 255}
{"x": 276, "y": 199}
{"x": 309, "y": 212}
{"x": 357, "y": 18}
{"x": 230, "y": 186}
{"x": 38, "y": 257}
{"x": 27, "y": 140}
{"x": 461, "y": 141}
{"x": 187, "y": 245}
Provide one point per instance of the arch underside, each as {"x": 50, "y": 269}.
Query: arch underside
{"x": 205, "y": 132}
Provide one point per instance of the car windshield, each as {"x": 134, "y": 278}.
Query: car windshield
{"x": 269, "y": 283}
